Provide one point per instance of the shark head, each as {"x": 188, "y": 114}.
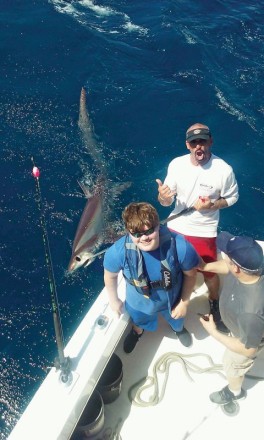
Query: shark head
{"x": 82, "y": 259}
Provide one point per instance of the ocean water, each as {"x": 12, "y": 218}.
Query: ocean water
{"x": 151, "y": 69}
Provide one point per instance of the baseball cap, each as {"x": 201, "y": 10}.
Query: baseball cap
{"x": 198, "y": 133}
{"x": 243, "y": 251}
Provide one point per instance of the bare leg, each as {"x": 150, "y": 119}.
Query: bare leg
{"x": 235, "y": 383}
{"x": 213, "y": 285}
{"x": 137, "y": 329}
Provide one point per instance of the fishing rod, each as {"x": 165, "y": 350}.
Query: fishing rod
{"x": 183, "y": 212}
{"x": 63, "y": 363}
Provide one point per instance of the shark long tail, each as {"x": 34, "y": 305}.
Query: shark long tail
{"x": 88, "y": 135}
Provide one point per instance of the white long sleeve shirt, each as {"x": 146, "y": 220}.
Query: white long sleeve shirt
{"x": 215, "y": 179}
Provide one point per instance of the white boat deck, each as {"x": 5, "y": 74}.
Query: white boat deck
{"x": 185, "y": 411}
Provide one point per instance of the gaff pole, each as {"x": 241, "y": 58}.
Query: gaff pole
{"x": 61, "y": 362}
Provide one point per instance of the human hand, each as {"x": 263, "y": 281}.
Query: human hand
{"x": 165, "y": 192}
{"x": 180, "y": 310}
{"x": 117, "y": 307}
{"x": 204, "y": 202}
{"x": 209, "y": 325}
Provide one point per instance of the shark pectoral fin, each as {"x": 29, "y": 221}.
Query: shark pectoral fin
{"x": 86, "y": 191}
{"x": 89, "y": 261}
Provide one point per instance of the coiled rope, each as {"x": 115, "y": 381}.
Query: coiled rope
{"x": 162, "y": 366}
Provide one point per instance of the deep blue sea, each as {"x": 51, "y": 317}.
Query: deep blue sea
{"x": 151, "y": 69}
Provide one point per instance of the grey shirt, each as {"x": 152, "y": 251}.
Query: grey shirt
{"x": 242, "y": 310}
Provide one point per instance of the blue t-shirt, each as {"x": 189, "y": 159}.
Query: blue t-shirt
{"x": 115, "y": 260}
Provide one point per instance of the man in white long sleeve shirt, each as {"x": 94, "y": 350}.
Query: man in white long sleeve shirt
{"x": 206, "y": 183}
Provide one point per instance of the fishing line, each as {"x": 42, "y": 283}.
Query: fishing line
{"x": 61, "y": 362}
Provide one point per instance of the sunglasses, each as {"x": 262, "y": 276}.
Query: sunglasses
{"x": 140, "y": 234}
{"x": 194, "y": 142}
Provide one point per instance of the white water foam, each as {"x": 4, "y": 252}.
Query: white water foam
{"x": 73, "y": 9}
{"x": 231, "y": 109}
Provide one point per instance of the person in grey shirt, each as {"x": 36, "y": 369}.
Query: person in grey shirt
{"x": 242, "y": 311}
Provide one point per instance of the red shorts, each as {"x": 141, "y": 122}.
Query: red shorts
{"x": 206, "y": 248}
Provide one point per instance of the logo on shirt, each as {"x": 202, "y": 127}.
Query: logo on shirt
{"x": 166, "y": 279}
{"x": 203, "y": 185}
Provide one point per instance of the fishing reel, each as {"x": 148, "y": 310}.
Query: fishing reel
{"x": 65, "y": 370}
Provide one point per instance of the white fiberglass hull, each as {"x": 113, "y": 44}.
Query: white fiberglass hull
{"x": 185, "y": 411}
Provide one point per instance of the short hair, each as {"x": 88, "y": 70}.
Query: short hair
{"x": 138, "y": 215}
{"x": 257, "y": 273}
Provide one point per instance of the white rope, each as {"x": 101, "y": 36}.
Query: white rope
{"x": 162, "y": 366}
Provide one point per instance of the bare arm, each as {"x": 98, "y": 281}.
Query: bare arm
{"x": 110, "y": 279}
{"x": 219, "y": 204}
{"x": 216, "y": 267}
{"x": 189, "y": 279}
{"x": 230, "y": 342}
{"x": 205, "y": 203}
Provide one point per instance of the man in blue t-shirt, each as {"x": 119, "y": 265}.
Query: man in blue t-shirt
{"x": 159, "y": 267}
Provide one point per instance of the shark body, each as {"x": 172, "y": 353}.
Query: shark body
{"x": 94, "y": 226}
